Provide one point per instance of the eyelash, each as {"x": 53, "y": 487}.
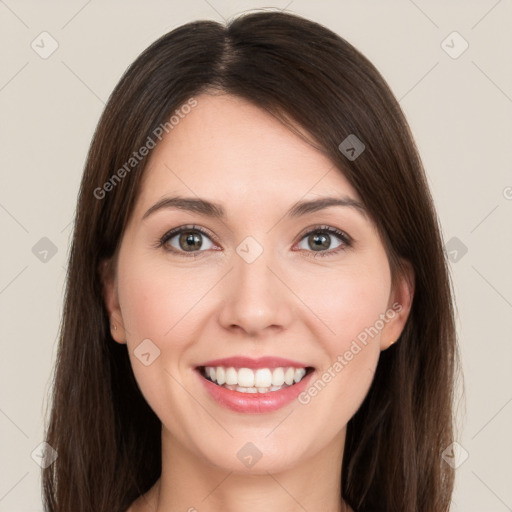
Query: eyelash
{"x": 346, "y": 241}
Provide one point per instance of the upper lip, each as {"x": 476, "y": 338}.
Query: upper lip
{"x": 261, "y": 362}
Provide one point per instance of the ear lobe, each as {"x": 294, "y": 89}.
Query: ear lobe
{"x": 399, "y": 306}
{"x": 111, "y": 301}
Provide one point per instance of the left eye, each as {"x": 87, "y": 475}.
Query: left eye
{"x": 320, "y": 240}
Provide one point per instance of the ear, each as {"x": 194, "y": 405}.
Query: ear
{"x": 399, "y": 306}
{"x": 110, "y": 296}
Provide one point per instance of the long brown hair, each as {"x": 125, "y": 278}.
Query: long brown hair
{"x": 107, "y": 438}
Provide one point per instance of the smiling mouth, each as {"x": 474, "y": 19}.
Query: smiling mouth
{"x": 260, "y": 380}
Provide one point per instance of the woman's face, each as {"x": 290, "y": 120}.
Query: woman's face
{"x": 264, "y": 280}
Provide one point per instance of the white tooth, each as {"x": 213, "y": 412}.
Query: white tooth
{"x": 288, "y": 376}
{"x": 231, "y": 376}
{"x": 278, "y": 377}
{"x": 245, "y": 377}
{"x": 241, "y": 389}
{"x": 299, "y": 373}
{"x": 263, "y": 378}
{"x": 221, "y": 375}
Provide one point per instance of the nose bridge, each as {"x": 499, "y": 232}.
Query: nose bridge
{"x": 254, "y": 275}
{"x": 255, "y": 297}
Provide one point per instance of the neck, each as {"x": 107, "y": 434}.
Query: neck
{"x": 189, "y": 483}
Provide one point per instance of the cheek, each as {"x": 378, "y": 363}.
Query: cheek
{"x": 149, "y": 310}
{"x": 350, "y": 303}
{"x": 154, "y": 305}
{"x": 362, "y": 300}
{"x": 348, "y": 300}
{"x": 163, "y": 305}
{"x": 155, "y": 299}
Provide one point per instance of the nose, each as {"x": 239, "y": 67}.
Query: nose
{"x": 256, "y": 298}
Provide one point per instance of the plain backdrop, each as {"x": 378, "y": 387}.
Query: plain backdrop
{"x": 448, "y": 63}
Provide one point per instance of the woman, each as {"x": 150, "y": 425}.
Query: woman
{"x": 258, "y": 310}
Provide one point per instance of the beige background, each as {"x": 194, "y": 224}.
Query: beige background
{"x": 460, "y": 111}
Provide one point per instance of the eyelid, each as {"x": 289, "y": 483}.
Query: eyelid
{"x": 329, "y": 229}
{"x": 345, "y": 238}
{"x": 171, "y": 233}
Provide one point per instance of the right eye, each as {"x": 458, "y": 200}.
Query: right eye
{"x": 186, "y": 240}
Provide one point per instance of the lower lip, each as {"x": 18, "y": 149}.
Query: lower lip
{"x": 255, "y": 402}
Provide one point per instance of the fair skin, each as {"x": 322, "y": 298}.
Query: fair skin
{"x": 218, "y": 305}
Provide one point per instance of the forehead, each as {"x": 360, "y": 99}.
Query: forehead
{"x": 227, "y": 149}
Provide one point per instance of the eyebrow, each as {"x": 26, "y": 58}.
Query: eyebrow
{"x": 215, "y": 210}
